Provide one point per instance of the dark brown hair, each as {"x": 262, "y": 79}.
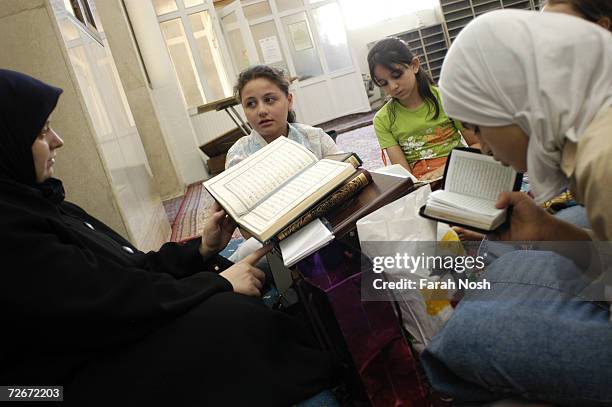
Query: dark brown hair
{"x": 274, "y": 75}
{"x": 392, "y": 51}
{"x": 592, "y": 10}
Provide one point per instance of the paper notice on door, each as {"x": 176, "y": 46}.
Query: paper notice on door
{"x": 300, "y": 35}
{"x": 270, "y": 50}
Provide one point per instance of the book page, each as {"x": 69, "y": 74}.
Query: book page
{"x": 478, "y": 175}
{"x": 449, "y": 200}
{"x": 240, "y": 188}
{"x": 284, "y": 199}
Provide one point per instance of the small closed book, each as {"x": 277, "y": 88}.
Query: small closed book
{"x": 472, "y": 184}
{"x": 268, "y": 190}
{"x": 304, "y": 242}
{"x": 351, "y": 158}
{"x": 396, "y": 170}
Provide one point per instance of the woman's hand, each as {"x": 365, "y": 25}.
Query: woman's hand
{"x": 244, "y": 276}
{"x": 528, "y": 221}
{"x": 217, "y": 231}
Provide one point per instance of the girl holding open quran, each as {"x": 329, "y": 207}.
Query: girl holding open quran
{"x": 264, "y": 94}
{"x": 536, "y": 89}
{"x": 412, "y": 127}
{"x": 563, "y": 205}
{"x": 84, "y": 309}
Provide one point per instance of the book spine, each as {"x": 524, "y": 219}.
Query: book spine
{"x": 343, "y": 193}
{"x": 353, "y": 160}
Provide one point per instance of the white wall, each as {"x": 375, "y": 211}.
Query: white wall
{"x": 361, "y": 37}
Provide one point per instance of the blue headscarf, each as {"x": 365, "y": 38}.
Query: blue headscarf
{"x": 25, "y": 106}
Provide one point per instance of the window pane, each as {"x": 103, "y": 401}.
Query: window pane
{"x": 164, "y": 6}
{"x": 68, "y": 5}
{"x": 305, "y": 56}
{"x": 268, "y": 45}
{"x": 199, "y": 22}
{"x": 284, "y": 5}
{"x": 229, "y": 19}
{"x": 183, "y": 62}
{"x": 239, "y": 51}
{"x": 257, "y": 10}
{"x": 191, "y": 3}
{"x": 332, "y": 35}
{"x": 210, "y": 55}
{"x": 233, "y": 37}
{"x": 173, "y": 29}
{"x": 68, "y": 29}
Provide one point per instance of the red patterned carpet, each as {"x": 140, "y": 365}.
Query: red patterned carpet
{"x": 192, "y": 213}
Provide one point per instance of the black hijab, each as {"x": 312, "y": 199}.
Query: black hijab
{"x": 25, "y": 106}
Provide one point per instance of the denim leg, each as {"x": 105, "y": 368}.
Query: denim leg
{"x": 576, "y": 215}
{"x": 530, "y": 335}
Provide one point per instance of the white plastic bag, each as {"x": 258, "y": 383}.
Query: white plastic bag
{"x": 423, "y": 311}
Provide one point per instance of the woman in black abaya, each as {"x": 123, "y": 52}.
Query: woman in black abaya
{"x": 82, "y": 308}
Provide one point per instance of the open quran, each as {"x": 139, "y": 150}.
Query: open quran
{"x": 472, "y": 184}
{"x": 278, "y": 185}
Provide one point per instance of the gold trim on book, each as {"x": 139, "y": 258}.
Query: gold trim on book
{"x": 337, "y": 197}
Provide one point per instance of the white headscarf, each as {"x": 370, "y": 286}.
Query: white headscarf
{"x": 549, "y": 73}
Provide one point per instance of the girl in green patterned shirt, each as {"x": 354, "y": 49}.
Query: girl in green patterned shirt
{"x": 412, "y": 127}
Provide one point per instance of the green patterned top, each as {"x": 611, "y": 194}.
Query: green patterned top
{"x": 419, "y": 136}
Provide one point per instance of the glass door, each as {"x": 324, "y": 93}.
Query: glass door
{"x": 238, "y": 37}
{"x": 308, "y": 40}
{"x": 191, "y": 34}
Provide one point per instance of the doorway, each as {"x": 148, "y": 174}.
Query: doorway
{"x": 308, "y": 40}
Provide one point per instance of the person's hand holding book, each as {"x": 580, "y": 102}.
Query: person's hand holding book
{"x": 244, "y": 277}
{"x": 530, "y": 222}
{"x": 217, "y": 232}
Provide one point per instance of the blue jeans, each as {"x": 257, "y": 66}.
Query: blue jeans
{"x": 576, "y": 215}
{"x": 530, "y": 335}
